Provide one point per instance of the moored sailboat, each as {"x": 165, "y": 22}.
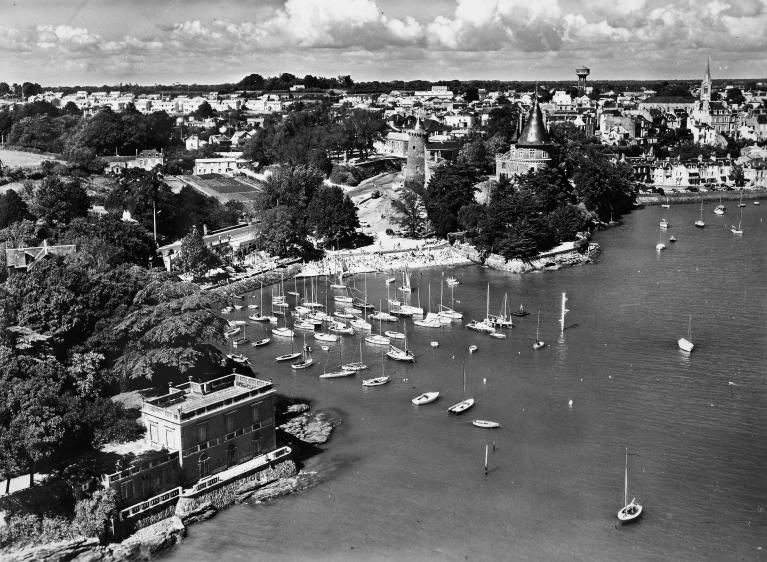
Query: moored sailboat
{"x": 631, "y": 510}
{"x": 685, "y": 344}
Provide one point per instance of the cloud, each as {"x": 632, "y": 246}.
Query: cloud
{"x": 347, "y": 35}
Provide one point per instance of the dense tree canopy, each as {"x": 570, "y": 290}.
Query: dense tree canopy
{"x": 58, "y": 200}
{"x": 450, "y": 188}
{"x": 12, "y": 208}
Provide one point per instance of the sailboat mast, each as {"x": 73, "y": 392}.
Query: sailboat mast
{"x": 626, "y": 480}
{"x": 538, "y": 329}
{"x": 564, "y": 311}
{"x": 487, "y": 303}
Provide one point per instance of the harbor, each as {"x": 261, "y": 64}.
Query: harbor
{"x": 610, "y": 377}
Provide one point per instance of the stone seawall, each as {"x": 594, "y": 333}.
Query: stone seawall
{"x": 253, "y": 283}
{"x": 708, "y": 196}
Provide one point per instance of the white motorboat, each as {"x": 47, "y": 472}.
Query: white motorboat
{"x": 230, "y": 333}
{"x": 452, "y": 282}
{"x": 498, "y": 335}
{"x": 685, "y": 344}
{"x": 377, "y": 339}
{"x": 258, "y": 318}
{"x": 472, "y": 348}
{"x": 342, "y": 298}
{"x": 272, "y": 319}
{"x": 461, "y": 407}
{"x": 238, "y": 307}
{"x": 434, "y": 344}
{"x": 481, "y": 326}
{"x": 337, "y": 374}
{"x": 237, "y": 358}
{"x": 720, "y": 210}
{"x": 391, "y": 280}
{"x": 226, "y": 310}
{"x": 352, "y": 310}
{"x": 321, "y": 336}
{"x": 663, "y": 223}
{"x": 253, "y": 306}
{"x": 237, "y": 323}
{"x": 377, "y": 381}
{"x": 339, "y": 328}
{"x": 300, "y": 309}
{"x": 283, "y": 332}
{"x": 261, "y": 342}
{"x": 361, "y": 325}
{"x": 486, "y": 424}
{"x": 394, "y": 335}
{"x": 631, "y": 510}
{"x": 425, "y": 398}
{"x": 383, "y": 316}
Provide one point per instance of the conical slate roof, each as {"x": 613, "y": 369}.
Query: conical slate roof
{"x": 534, "y": 132}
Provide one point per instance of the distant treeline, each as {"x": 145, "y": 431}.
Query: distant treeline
{"x": 257, "y": 84}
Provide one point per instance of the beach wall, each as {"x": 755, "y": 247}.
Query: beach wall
{"x": 546, "y": 260}
{"x": 708, "y": 196}
{"x": 253, "y": 283}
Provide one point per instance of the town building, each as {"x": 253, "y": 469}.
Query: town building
{"x": 146, "y": 160}
{"x": 18, "y": 260}
{"x": 212, "y": 425}
{"x": 225, "y": 165}
{"x": 531, "y": 151}
{"x": 241, "y": 238}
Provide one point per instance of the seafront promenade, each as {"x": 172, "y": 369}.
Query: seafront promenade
{"x": 689, "y": 197}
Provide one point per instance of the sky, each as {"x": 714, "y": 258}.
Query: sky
{"x": 94, "y": 42}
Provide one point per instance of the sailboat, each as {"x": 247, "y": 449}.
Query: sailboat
{"x": 431, "y": 320}
{"x": 503, "y": 319}
{"x": 357, "y": 366}
{"x": 660, "y": 245}
{"x": 452, "y": 282}
{"x": 538, "y": 343}
{"x": 663, "y": 223}
{"x": 631, "y": 510}
{"x": 294, "y": 292}
{"x": 340, "y": 284}
{"x": 685, "y": 344}
{"x": 379, "y": 338}
{"x": 336, "y": 374}
{"x": 446, "y": 312}
{"x": 464, "y": 404}
{"x": 377, "y": 381}
{"x": 741, "y": 204}
{"x": 738, "y": 230}
{"x": 405, "y": 282}
{"x": 719, "y": 209}
{"x": 288, "y": 356}
{"x": 484, "y": 325}
{"x": 283, "y": 331}
{"x": 306, "y": 358}
{"x": 401, "y": 354}
{"x": 380, "y": 315}
{"x": 259, "y": 317}
{"x": 699, "y": 223}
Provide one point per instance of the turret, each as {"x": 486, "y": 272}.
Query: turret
{"x": 416, "y": 165}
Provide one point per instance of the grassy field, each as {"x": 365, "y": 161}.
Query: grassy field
{"x": 19, "y": 159}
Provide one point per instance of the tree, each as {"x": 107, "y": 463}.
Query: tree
{"x": 196, "y": 258}
{"x": 110, "y": 241}
{"x": 204, "y": 111}
{"x": 282, "y": 233}
{"x": 450, "y": 188}
{"x": 59, "y": 201}
{"x": 471, "y": 94}
{"x": 410, "y": 210}
{"x": 502, "y": 121}
{"x": 12, "y": 208}
{"x": 291, "y": 186}
{"x": 251, "y": 82}
{"x": 604, "y": 187}
{"x": 737, "y": 175}
{"x": 5, "y": 89}
{"x": 331, "y": 214}
{"x": 171, "y": 331}
{"x": 474, "y": 155}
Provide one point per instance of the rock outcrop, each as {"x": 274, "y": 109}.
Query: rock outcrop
{"x": 311, "y": 428}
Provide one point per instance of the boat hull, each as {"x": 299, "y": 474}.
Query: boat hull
{"x": 461, "y": 407}
{"x": 625, "y": 517}
{"x": 425, "y": 398}
{"x": 287, "y": 357}
{"x": 685, "y": 344}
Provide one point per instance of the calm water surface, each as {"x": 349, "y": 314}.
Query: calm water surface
{"x": 406, "y": 483}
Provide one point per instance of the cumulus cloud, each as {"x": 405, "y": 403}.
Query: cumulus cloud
{"x": 360, "y": 31}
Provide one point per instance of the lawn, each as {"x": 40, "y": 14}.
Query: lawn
{"x": 19, "y": 159}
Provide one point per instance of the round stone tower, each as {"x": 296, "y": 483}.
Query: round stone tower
{"x": 416, "y": 146}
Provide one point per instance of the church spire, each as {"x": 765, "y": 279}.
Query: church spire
{"x": 707, "y": 76}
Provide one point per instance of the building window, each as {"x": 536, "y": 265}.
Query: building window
{"x": 169, "y": 439}
{"x": 202, "y": 432}
{"x": 231, "y": 455}
{"x": 256, "y": 446}
{"x": 153, "y": 433}
{"x": 254, "y": 417}
{"x": 229, "y": 420}
{"x": 126, "y": 490}
{"x": 204, "y": 465}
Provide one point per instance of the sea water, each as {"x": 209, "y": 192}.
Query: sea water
{"x": 401, "y": 482}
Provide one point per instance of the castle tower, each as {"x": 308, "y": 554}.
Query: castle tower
{"x": 582, "y": 73}
{"x": 416, "y": 165}
{"x": 532, "y": 150}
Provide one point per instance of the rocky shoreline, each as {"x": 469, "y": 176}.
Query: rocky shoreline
{"x": 545, "y": 262}
{"x": 308, "y": 428}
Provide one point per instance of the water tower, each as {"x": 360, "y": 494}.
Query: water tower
{"x": 582, "y": 72}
